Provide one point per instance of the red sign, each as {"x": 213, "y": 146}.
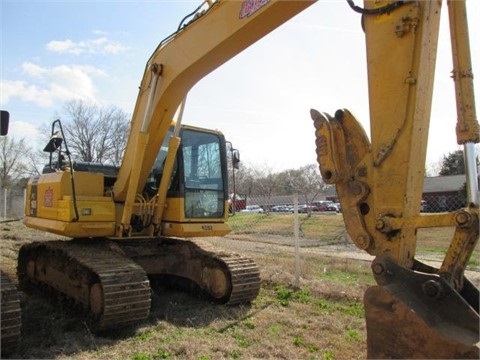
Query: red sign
{"x": 249, "y": 7}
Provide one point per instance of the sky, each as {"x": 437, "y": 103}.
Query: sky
{"x": 57, "y": 51}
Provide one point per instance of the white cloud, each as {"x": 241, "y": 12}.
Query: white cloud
{"x": 101, "y": 45}
{"x": 33, "y": 69}
{"x": 60, "y": 83}
{"x": 24, "y": 130}
{"x": 61, "y": 46}
{"x": 99, "y": 32}
{"x": 24, "y": 91}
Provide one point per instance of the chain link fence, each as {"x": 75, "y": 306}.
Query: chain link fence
{"x": 284, "y": 242}
{"x": 12, "y": 204}
{"x": 440, "y": 194}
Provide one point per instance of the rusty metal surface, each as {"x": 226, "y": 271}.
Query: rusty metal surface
{"x": 109, "y": 278}
{"x": 228, "y": 278}
{"x": 245, "y": 276}
{"x": 418, "y": 315}
{"x": 114, "y": 289}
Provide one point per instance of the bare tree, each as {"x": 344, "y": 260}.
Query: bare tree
{"x": 261, "y": 180}
{"x": 305, "y": 181}
{"x": 244, "y": 180}
{"x": 96, "y": 134}
{"x": 266, "y": 180}
{"x": 14, "y": 161}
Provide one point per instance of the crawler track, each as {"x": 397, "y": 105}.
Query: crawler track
{"x": 113, "y": 290}
{"x": 108, "y": 278}
{"x": 228, "y": 278}
{"x": 245, "y": 277}
{"x": 11, "y": 320}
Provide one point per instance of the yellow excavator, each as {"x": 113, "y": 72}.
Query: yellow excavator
{"x": 131, "y": 223}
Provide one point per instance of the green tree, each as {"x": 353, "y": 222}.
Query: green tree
{"x": 453, "y": 164}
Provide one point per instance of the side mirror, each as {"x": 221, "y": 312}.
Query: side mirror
{"x": 236, "y": 159}
{"x": 4, "y": 122}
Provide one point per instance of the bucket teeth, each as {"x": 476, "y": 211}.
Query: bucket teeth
{"x": 342, "y": 145}
{"x": 326, "y": 146}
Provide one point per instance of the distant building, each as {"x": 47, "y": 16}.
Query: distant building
{"x": 444, "y": 193}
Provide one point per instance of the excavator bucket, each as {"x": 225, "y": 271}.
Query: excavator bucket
{"x": 417, "y": 315}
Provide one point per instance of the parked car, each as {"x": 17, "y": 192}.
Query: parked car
{"x": 338, "y": 206}
{"x": 280, "y": 208}
{"x": 253, "y": 209}
{"x": 325, "y": 205}
{"x": 304, "y": 209}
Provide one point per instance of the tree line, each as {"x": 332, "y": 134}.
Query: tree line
{"x": 261, "y": 181}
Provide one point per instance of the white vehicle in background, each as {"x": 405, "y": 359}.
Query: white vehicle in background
{"x": 256, "y": 209}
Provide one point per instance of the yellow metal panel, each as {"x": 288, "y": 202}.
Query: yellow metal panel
{"x": 71, "y": 229}
{"x": 174, "y": 210}
{"x": 45, "y": 193}
{"x": 49, "y": 190}
{"x": 194, "y": 229}
{"x": 96, "y": 208}
{"x": 50, "y": 206}
{"x": 175, "y": 224}
{"x": 86, "y": 183}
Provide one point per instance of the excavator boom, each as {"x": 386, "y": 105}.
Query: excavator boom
{"x": 180, "y": 61}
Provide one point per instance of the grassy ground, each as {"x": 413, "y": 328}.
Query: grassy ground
{"x": 322, "y": 318}
{"x": 323, "y": 228}
{"x": 320, "y": 229}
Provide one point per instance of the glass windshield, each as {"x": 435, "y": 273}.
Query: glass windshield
{"x": 202, "y": 168}
{"x": 155, "y": 175}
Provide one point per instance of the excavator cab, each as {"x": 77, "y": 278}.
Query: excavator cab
{"x": 197, "y": 198}
{"x": 74, "y": 198}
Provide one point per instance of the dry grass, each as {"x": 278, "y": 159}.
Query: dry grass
{"x": 322, "y": 319}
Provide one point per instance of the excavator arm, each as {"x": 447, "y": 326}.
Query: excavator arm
{"x": 416, "y": 311}
{"x": 219, "y": 31}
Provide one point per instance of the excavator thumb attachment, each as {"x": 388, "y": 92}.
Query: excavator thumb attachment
{"x": 418, "y": 315}
{"x": 342, "y": 146}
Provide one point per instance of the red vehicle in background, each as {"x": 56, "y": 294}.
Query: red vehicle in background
{"x": 325, "y": 205}
{"x": 236, "y": 202}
